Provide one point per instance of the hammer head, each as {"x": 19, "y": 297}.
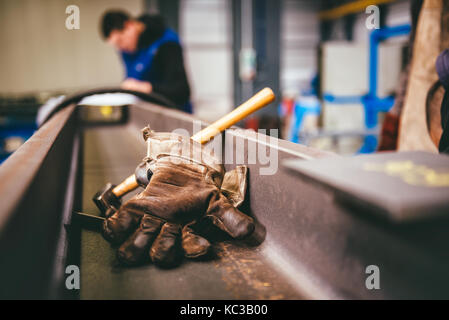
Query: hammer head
{"x": 106, "y": 200}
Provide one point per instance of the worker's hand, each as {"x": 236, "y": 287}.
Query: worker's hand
{"x": 137, "y": 85}
{"x": 164, "y": 222}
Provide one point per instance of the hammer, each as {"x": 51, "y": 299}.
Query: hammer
{"x": 108, "y": 198}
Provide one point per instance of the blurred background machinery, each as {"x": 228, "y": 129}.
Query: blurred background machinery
{"x": 334, "y": 77}
{"x": 17, "y": 122}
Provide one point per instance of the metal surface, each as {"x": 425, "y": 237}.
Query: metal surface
{"x": 314, "y": 247}
{"x": 324, "y": 248}
{"x": 236, "y": 271}
{"x": 33, "y": 192}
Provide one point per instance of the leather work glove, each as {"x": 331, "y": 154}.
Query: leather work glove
{"x": 167, "y": 219}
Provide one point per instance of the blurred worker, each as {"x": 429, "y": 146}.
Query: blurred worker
{"x": 152, "y": 55}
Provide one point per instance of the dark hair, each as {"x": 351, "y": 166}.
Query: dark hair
{"x": 113, "y": 20}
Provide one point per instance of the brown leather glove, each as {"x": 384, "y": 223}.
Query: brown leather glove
{"x": 164, "y": 221}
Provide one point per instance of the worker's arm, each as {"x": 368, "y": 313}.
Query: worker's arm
{"x": 137, "y": 85}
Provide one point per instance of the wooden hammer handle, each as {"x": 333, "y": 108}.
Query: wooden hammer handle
{"x": 126, "y": 186}
{"x": 259, "y": 100}
{"x": 256, "y": 102}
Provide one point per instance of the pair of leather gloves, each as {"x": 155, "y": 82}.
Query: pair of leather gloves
{"x": 186, "y": 192}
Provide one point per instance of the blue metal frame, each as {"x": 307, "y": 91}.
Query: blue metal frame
{"x": 299, "y": 111}
{"x": 15, "y": 127}
{"x": 371, "y": 102}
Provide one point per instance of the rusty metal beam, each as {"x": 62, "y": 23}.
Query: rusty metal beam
{"x": 33, "y": 191}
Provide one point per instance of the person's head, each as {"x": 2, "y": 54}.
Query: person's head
{"x": 121, "y": 31}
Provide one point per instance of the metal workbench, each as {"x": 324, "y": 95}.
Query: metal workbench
{"x": 313, "y": 248}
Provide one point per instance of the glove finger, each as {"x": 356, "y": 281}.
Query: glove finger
{"x": 117, "y": 227}
{"x": 193, "y": 244}
{"x": 166, "y": 250}
{"x": 134, "y": 249}
{"x": 229, "y": 219}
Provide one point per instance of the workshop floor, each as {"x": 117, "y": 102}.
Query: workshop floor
{"x": 236, "y": 272}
